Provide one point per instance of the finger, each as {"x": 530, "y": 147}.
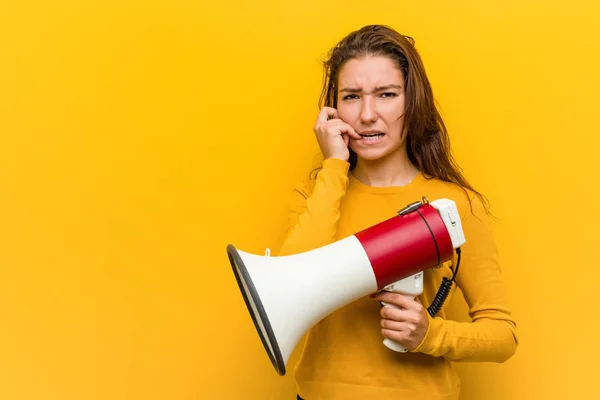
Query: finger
{"x": 396, "y": 314}
{"x": 326, "y": 114}
{"x": 335, "y": 122}
{"x": 344, "y": 128}
{"x": 400, "y": 337}
{"x": 392, "y": 325}
{"x": 346, "y": 139}
{"x": 350, "y": 131}
{"x": 398, "y": 300}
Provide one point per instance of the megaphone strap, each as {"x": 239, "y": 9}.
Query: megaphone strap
{"x": 437, "y": 248}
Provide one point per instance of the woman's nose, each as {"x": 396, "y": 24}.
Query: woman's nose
{"x": 368, "y": 113}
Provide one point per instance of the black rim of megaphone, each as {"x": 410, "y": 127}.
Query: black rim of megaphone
{"x": 276, "y": 358}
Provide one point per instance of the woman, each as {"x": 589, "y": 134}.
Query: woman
{"x": 385, "y": 146}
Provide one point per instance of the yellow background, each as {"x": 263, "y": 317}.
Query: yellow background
{"x": 139, "y": 138}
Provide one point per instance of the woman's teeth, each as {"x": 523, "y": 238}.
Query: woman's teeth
{"x": 372, "y": 137}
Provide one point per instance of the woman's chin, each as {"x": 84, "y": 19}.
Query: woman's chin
{"x": 370, "y": 154}
{"x": 377, "y": 153}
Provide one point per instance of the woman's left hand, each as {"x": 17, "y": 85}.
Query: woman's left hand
{"x": 407, "y": 325}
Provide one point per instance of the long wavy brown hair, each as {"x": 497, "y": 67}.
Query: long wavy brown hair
{"x": 427, "y": 140}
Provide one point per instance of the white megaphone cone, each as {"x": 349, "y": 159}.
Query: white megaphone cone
{"x": 284, "y": 294}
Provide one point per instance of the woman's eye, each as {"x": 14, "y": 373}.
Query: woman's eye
{"x": 350, "y": 97}
{"x": 388, "y": 94}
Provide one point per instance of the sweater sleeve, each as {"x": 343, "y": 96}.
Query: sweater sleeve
{"x": 491, "y": 334}
{"x": 314, "y": 213}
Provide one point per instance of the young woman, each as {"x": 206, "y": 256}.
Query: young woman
{"x": 386, "y": 146}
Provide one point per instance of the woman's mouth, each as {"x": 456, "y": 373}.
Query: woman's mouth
{"x": 371, "y": 137}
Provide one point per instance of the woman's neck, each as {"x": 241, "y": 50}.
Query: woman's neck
{"x": 392, "y": 170}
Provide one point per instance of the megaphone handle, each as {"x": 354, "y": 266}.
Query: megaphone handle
{"x": 392, "y": 344}
{"x": 411, "y": 287}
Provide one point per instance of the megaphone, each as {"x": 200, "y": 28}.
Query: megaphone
{"x": 283, "y": 294}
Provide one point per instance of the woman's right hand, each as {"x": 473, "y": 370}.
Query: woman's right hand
{"x": 333, "y": 134}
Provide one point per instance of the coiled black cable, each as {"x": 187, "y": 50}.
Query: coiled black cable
{"x": 444, "y": 290}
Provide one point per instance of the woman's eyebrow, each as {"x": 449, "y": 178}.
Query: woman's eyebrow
{"x": 377, "y": 89}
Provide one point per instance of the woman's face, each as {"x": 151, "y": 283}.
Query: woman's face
{"x": 371, "y": 100}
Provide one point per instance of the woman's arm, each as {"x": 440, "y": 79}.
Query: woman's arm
{"x": 314, "y": 213}
{"x": 491, "y": 336}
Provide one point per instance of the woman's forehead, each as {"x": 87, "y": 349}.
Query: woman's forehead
{"x": 369, "y": 73}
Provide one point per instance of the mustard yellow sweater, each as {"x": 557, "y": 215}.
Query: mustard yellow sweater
{"x": 344, "y": 357}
